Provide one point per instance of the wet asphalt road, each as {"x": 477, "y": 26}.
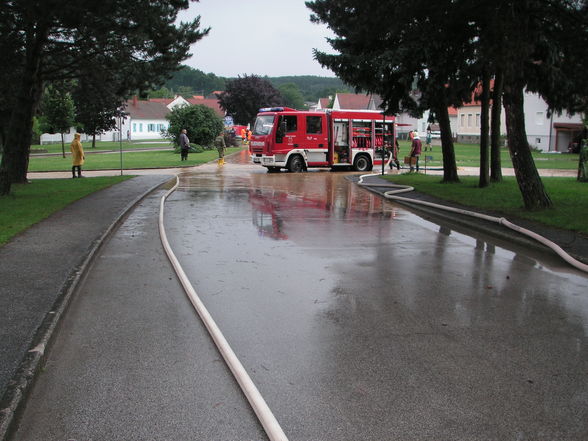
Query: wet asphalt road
{"x": 357, "y": 320}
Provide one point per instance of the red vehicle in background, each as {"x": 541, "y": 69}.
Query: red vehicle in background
{"x": 296, "y": 140}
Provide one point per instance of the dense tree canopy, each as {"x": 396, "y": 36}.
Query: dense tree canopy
{"x": 444, "y": 48}
{"x": 292, "y": 97}
{"x": 201, "y": 123}
{"x": 58, "y": 110}
{"x": 244, "y": 96}
{"x": 200, "y": 83}
{"x": 133, "y": 44}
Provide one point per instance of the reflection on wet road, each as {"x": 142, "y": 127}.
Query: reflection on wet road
{"x": 360, "y": 320}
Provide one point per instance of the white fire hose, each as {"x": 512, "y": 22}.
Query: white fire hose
{"x": 261, "y": 409}
{"x": 392, "y": 195}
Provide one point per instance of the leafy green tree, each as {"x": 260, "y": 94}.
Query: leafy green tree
{"x": 245, "y": 95}
{"x": 58, "y": 110}
{"x": 198, "y": 81}
{"x": 163, "y": 92}
{"x": 135, "y": 44}
{"x": 393, "y": 48}
{"x": 201, "y": 123}
{"x": 97, "y": 107}
{"x": 292, "y": 96}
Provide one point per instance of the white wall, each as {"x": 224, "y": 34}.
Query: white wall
{"x": 540, "y": 131}
{"x": 141, "y": 130}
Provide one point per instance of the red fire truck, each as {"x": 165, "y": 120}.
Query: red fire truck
{"x": 296, "y": 140}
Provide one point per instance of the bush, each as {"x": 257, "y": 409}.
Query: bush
{"x": 201, "y": 123}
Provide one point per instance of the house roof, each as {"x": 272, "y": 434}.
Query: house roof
{"x": 165, "y": 101}
{"x": 208, "y": 102}
{"x": 452, "y": 111}
{"x": 146, "y": 109}
{"x": 352, "y": 101}
{"x": 324, "y": 103}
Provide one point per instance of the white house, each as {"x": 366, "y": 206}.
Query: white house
{"x": 145, "y": 119}
{"x": 549, "y": 134}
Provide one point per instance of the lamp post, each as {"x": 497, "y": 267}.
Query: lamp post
{"x": 120, "y": 141}
{"x": 121, "y": 116}
{"x": 383, "y": 142}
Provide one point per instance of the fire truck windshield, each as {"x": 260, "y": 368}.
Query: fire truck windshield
{"x": 263, "y": 125}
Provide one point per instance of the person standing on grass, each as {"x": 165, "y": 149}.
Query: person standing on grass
{"x": 415, "y": 152}
{"x": 77, "y": 156}
{"x": 184, "y": 145}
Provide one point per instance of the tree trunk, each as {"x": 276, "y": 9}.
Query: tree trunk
{"x": 530, "y": 184}
{"x": 495, "y": 161}
{"x": 94, "y": 141}
{"x": 15, "y": 159}
{"x": 63, "y": 145}
{"x": 484, "y": 129}
{"x": 449, "y": 165}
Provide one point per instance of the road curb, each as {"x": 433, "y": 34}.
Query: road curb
{"x": 22, "y": 381}
{"x": 480, "y": 225}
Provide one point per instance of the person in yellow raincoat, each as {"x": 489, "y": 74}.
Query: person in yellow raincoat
{"x": 77, "y": 156}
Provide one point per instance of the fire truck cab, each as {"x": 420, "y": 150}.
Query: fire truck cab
{"x": 296, "y": 140}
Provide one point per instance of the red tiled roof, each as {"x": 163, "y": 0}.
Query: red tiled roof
{"x": 353, "y": 101}
{"x": 452, "y": 111}
{"x": 146, "y": 109}
{"x": 165, "y": 101}
{"x": 324, "y": 103}
{"x": 212, "y": 103}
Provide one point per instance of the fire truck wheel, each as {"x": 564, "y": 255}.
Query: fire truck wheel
{"x": 362, "y": 163}
{"x": 296, "y": 165}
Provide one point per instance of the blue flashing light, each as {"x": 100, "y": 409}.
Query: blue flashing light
{"x": 271, "y": 109}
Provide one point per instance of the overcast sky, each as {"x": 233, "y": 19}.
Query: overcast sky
{"x": 262, "y": 37}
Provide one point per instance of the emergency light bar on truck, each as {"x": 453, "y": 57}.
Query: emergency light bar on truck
{"x": 296, "y": 140}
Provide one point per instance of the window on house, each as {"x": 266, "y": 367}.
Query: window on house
{"x": 134, "y": 127}
{"x": 140, "y": 127}
{"x": 470, "y": 119}
{"x": 477, "y": 120}
{"x": 463, "y": 120}
{"x": 538, "y": 140}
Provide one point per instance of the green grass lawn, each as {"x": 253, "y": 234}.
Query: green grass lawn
{"x": 569, "y": 197}
{"x": 31, "y": 203}
{"x": 130, "y": 160}
{"x": 468, "y": 155}
{"x": 104, "y": 145}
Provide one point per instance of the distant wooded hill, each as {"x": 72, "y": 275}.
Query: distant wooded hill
{"x": 189, "y": 81}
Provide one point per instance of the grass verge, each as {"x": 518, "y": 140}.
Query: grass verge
{"x": 130, "y": 160}
{"x": 468, "y": 155}
{"x": 569, "y": 197}
{"x": 31, "y": 203}
{"x": 102, "y": 145}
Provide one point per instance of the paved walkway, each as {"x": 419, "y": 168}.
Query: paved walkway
{"x": 39, "y": 269}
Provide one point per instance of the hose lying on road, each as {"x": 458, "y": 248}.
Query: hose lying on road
{"x": 263, "y": 412}
{"x": 392, "y": 194}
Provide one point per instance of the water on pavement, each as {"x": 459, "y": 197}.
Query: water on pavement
{"x": 360, "y": 320}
